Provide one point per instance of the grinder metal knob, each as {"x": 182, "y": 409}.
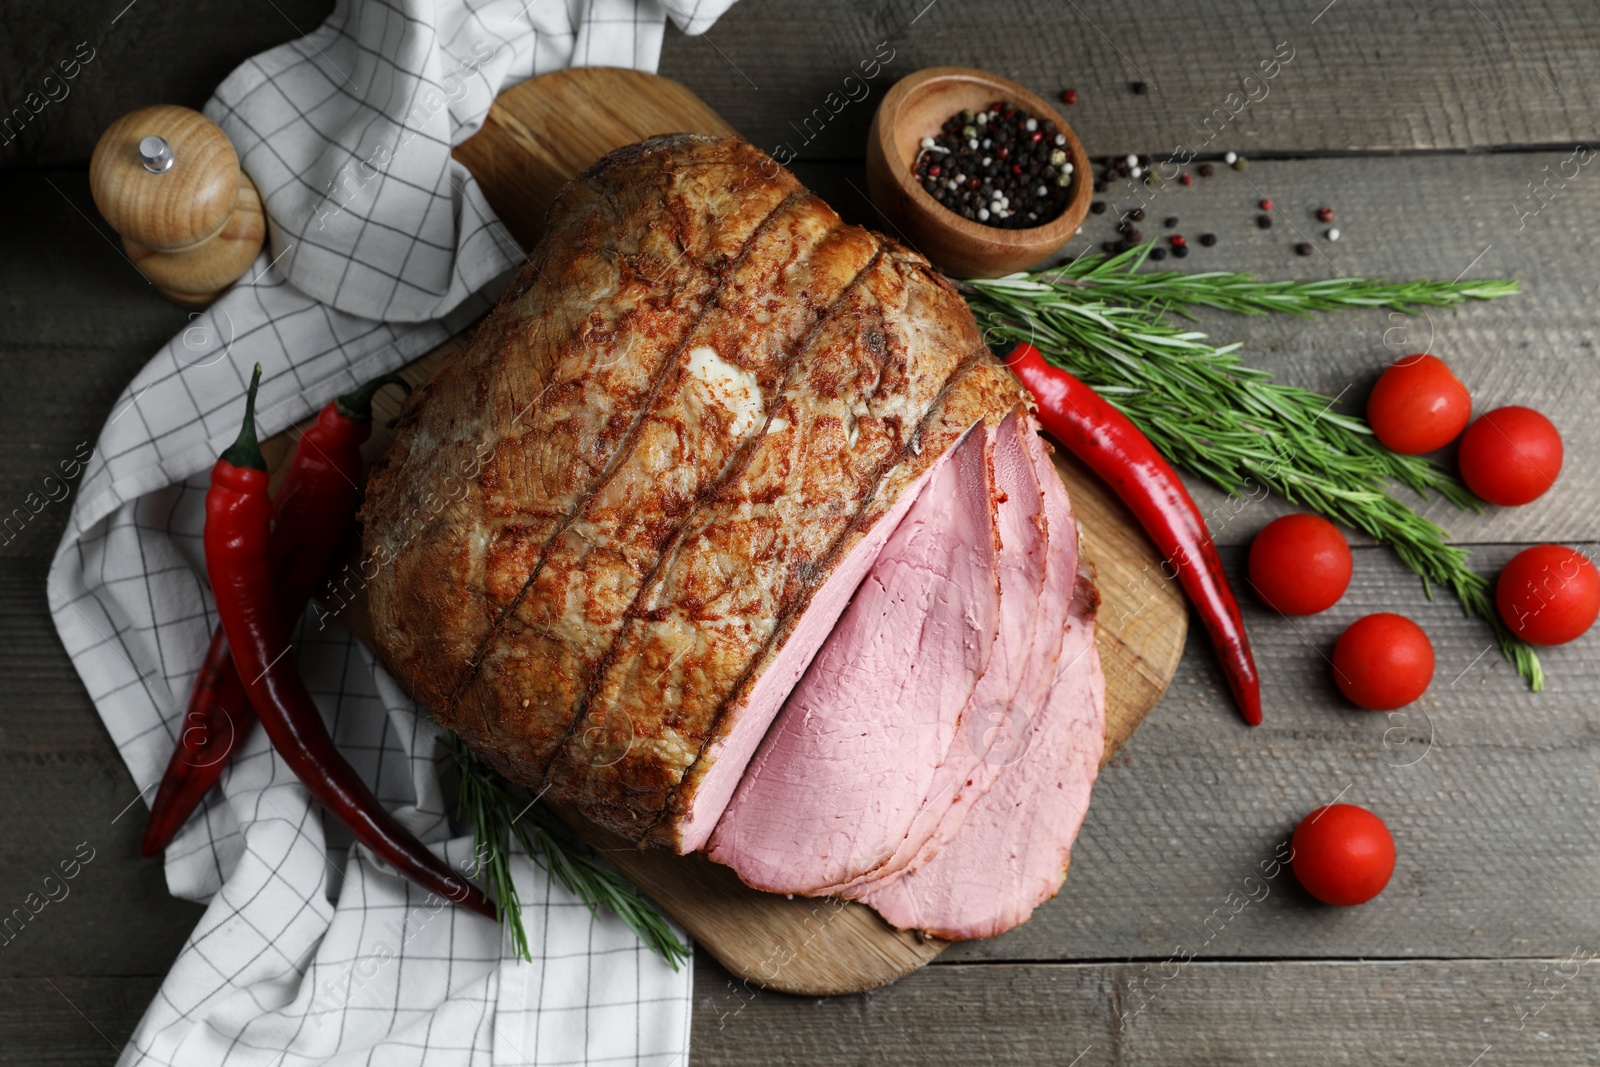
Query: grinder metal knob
{"x": 155, "y": 154}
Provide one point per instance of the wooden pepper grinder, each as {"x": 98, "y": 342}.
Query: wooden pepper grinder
{"x": 167, "y": 179}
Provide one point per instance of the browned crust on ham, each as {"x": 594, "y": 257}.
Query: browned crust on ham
{"x": 543, "y": 662}
{"x": 583, "y": 562}
{"x": 506, "y": 442}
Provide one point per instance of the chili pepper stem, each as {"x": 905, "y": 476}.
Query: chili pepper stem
{"x": 246, "y": 450}
{"x": 357, "y": 404}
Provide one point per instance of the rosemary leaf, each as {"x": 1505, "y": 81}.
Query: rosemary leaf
{"x": 498, "y": 815}
{"x": 1230, "y": 423}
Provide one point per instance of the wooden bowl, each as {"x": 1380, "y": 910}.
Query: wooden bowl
{"x": 915, "y": 108}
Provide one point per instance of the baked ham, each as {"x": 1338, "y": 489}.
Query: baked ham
{"x": 614, "y": 531}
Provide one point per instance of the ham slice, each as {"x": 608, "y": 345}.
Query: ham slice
{"x": 850, "y": 761}
{"x": 1011, "y": 851}
{"x": 987, "y": 731}
{"x": 767, "y": 696}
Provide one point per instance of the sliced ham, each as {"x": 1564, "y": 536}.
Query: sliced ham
{"x": 986, "y": 729}
{"x": 1010, "y": 853}
{"x": 850, "y": 761}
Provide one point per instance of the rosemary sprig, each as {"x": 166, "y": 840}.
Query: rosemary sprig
{"x": 498, "y": 816}
{"x": 1114, "y": 278}
{"x": 1230, "y": 423}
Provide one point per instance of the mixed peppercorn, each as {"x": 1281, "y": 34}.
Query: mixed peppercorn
{"x": 1001, "y": 167}
{"x": 1136, "y": 168}
{"x": 1005, "y": 168}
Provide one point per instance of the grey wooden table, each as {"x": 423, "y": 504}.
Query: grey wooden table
{"x": 1444, "y": 136}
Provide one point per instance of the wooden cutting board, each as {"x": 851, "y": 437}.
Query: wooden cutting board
{"x": 538, "y": 135}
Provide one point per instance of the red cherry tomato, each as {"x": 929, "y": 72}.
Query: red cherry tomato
{"x": 1548, "y": 594}
{"x": 1300, "y": 564}
{"x": 1383, "y": 662}
{"x": 1510, "y": 456}
{"x": 1343, "y": 854}
{"x": 1418, "y": 405}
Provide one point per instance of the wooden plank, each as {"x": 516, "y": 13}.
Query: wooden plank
{"x": 1151, "y": 1012}
{"x": 146, "y": 54}
{"x": 67, "y": 796}
{"x": 78, "y": 324}
{"x": 1417, "y": 217}
{"x": 1363, "y": 76}
{"x": 65, "y": 1020}
{"x": 1414, "y": 1012}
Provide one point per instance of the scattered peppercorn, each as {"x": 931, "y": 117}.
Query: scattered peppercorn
{"x": 1137, "y": 214}
{"x": 961, "y": 167}
{"x": 1324, "y": 214}
{"x": 1303, "y": 249}
{"x": 1239, "y": 164}
{"x": 1069, "y": 96}
{"x": 1333, "y": 233}
{"x": 1208, "y": 239}
{"x": 1207, "y": 170}
{"x": 1230, "y": 158}
{"x": 1100, "y": 185}
{"x": 1185, "y": 178}
{"x": 1158, "y": 253}
{"x": 1170, "y": 221}
{"x": 1098, "y": 207}
{"x": 1178, "y": 240}
{"x": 1179, "y": 251}
{"x": 1266, "y": 205}
{"x": 1264, "y": 221}
{"x": 1140, "y": 88}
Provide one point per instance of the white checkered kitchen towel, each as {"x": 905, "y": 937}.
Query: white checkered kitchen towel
{"x": 381, "y": 247}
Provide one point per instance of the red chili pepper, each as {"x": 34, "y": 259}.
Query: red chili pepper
{"x": 237, "y": 539}
{"x": 1112, "y": 446}
{"x": 314, "y": 506}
